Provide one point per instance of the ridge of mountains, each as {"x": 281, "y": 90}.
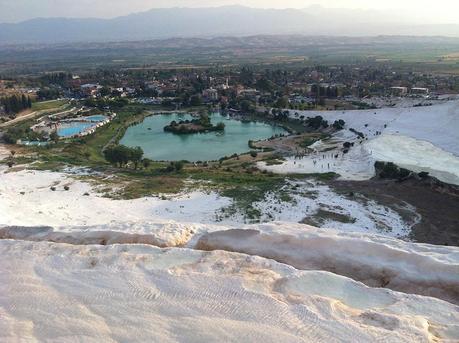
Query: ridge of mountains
{"x": 218, "y": 21}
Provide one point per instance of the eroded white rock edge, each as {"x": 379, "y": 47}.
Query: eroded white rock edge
{"x": 57, "y": 292}
{"x": 374, "y": 260}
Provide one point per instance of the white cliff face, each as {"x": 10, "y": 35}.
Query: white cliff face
{"x": 138, "y": 293}
{"x": 420, "y": 138}
{"x": 377, "y": 261}
{"x": 374, "y": 260}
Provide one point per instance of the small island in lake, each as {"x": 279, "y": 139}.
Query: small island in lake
{"x": 202, "y": 124}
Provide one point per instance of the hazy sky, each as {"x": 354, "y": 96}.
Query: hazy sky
{"x": 441, "y": 11}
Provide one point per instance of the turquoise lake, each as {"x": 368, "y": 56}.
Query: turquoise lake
{"x": 165, "y": 146}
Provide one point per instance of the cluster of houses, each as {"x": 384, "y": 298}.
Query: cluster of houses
{"x": 406, "y": 91}
{"x": 308, "y": 86}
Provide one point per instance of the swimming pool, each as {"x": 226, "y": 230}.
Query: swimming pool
{"x": 96, "y": 118}
{"x": 73, "y": 128}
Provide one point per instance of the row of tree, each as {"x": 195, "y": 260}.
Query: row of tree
{"x": 48, "y": 93}
{"x": 103, "y": 103}
{"x": 121, "y": 155}
{"x": 15, "y": 103}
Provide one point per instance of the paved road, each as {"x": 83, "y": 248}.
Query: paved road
{"x": 33, "y": 115}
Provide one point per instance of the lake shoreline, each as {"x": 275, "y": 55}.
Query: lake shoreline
{"x": 161, "y": 146}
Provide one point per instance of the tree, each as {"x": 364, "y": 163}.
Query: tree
{"x": 48, "y": 93}
{"x": 317, "y": 122}
{"x": 246, "y": 76}
{"x": 195, "y": 100}
{"x": 146, "y": 163}
{"x": 121, "y": 155}
{"x": 15, "y": 103}
{"x": 135, "y": 155}
{"x": 13, "y": 134}
{"x": 104, "y": 91}
{"x": 117, "y": 155}
{"x": 265, "y": 85}
{"x": 247, "y": 106}
{"x": 281, "y": 102}
{"x": 54, "y": 137}
{"x": 339, "y": 124}
{"x": 204, "y": 120}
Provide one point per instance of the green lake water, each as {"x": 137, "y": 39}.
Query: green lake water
{"x": 166, "y": 146}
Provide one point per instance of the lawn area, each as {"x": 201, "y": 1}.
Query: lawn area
{"x": 48, "y": 105}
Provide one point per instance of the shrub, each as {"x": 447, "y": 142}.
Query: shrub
{"x": 423, "y": 175}
{"x": 146, "y": 162}
{"x": 179, "y": 165}
{"x": 175, "y": 166}
{"x": 339, "y": 124}
{"x": 391, "y": 171}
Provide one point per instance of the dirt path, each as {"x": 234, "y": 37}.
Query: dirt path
{"x": 34, "y": 115}
{"x": 438, "y": 206}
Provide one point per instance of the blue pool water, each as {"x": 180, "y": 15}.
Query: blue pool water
{"x": 69, "y": 129}
{"x": 97, "y": 118}
{"x": 72, "y": 129}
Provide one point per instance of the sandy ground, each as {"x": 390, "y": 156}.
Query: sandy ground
{"x": 4, "y": 152}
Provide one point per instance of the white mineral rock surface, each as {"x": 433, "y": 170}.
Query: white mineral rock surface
{"x": 421, "y": 138}
{"x": 139, "y": 293}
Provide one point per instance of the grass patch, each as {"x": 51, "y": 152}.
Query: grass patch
{"x": 274, "y": 160}
{"x": 323, "y": 215}
{"x": 307, "y": 142}
{"x": 48, "y": 105}
{"x": 147, "y": 186}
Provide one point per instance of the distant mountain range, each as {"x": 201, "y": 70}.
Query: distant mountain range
{"x": 218, "y": 21}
